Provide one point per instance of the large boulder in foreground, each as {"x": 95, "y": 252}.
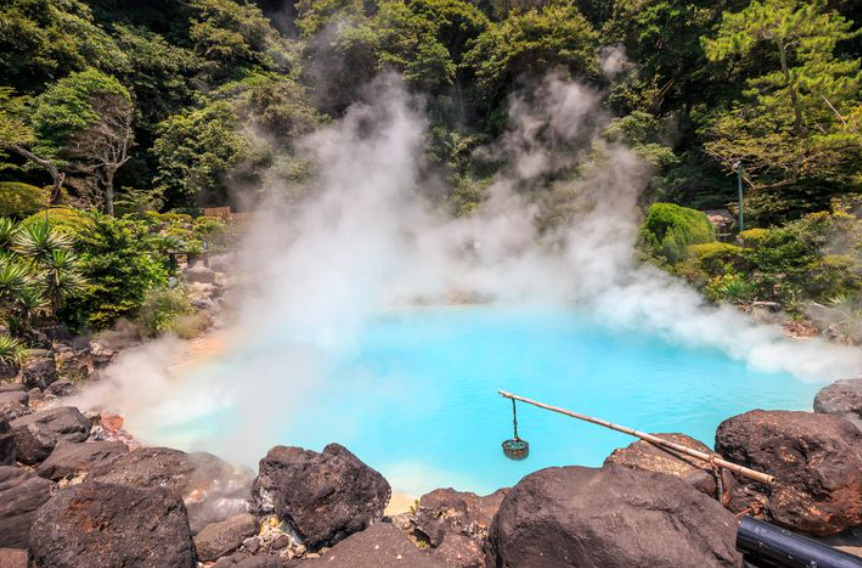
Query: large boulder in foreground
{"x": 644, "y": 456}
{"x": 324, "y": 497}
{"x": 212, "y": 489}
{"x": 612, "y": 517}
{"x": 21, "y": 494}
{"x": 843, "y": 398}
{"x": 71, "y": 460}
{"x": 380, "y": 546}
{"x": 37, "y": 434}
{"x": 816, "y": 460}
{"x": 98, "y": 525}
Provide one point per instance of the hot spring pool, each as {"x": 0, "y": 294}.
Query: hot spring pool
{"x": 416, "y": 395}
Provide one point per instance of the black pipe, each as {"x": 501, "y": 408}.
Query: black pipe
{"x": 772, "y": 547}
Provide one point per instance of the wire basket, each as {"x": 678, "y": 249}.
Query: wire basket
{"x": 516, "y": 449}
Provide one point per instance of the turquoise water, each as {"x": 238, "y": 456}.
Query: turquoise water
{"x": 416, "y": 395}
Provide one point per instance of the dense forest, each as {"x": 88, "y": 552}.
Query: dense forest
{"x": 143, "y": 112}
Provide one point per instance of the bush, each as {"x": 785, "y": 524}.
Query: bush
{"x": 833, "y": 275}
{"x": 64, "y": 218}
{"x": 160, "y": 308}
{"x": 669, "y": 230}
{"x": 190, "y": 326}
{"x": 732, "y": 287}
{"x": 21, "y": 199}
{"x": 716, "y": 258}
{"x": 119, "y": 259}
{"x": 753, "y": 238}
{"x": 12, "y": 351}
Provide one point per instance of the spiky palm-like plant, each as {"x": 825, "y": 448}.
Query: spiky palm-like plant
{"x": 11, "y": 350}
{"x": 14, "y": 279}
{"x": 60, "y": 277}
{"x": 8, "y": 230}
{"x": 38, "y": 241}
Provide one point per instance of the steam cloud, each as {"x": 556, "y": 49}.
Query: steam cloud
{"x": 368, "y": 240}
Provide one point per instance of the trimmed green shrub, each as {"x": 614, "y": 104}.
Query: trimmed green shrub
{"x": 669, "y": 230}
{"x": 716, "y": 258}
{"x": 64, "y": 218}
{"x": 21, "y": 199}
{"x": 753, "y": 238}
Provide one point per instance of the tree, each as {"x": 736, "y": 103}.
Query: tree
{"x": 794, "y": 126}
{"x": 16, "y": 135}
{"x": 196, "y": 149}
{"x": 85, "y": 121}
{"x": 42, "y": 40}
{"x": 529, "y": 44}
{"x": 232, "y": 37}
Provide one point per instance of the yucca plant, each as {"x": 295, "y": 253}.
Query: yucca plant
{"x": 8, "y": 229}
{"x": 31, "y": 303}
{"x": 11, "y": 351}
{"x": 60, "y": 277}
{"x": 38, "y": 241}
{"x": 14, "y": 279}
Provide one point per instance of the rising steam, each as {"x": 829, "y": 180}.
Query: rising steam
{"x": 367, "y": 240}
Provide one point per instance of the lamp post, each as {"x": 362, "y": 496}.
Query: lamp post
{"x": 737, "y": 166}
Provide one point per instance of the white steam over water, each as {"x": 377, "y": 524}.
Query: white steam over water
{"x": 368, "y": 240}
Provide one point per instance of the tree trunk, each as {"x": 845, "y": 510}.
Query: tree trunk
{"x": 109, "y": 191}
{"x": 56, "y": 175}
{"x": 794, "y": 96}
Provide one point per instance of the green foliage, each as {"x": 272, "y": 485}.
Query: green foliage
{"x": 41, "y": 40}
{"x": 715, "y": 258}
{"x": 21, "y": 199}
{"x": 61, "y": 218}
{"x": 753, "y": 238}
{"x": 12, "y": 351}
{"x": 732, "y": 287}
{"x": 38, "y": 271}
{"x": 669, "y": 229}
{"x": 160, "y": 309}
{"x": 196, "y": 150}
{"x": 71, "y": 106}
{"x": 790, "y": 128}
{"x": 530, "y": 44}
{"x": 232, "y": 37}
{"x": 118, "y": 260}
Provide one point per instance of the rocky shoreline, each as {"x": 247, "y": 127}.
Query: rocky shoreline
{"x": 78, "y": 491}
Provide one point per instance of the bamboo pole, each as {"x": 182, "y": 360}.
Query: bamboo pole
{"x": 711, "y": 458}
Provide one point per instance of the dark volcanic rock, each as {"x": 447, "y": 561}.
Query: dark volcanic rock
{"x": 459, "y": 551}
{"x": 843, "y": 398}
{"x": 445, "y": 511}
{"x": 608, "y": 518}
{"x": 218, "y": 539}
{"x": 211, "y": 488}
{"x": 96, "y": 525}
{"x": 21, "y": 493}
{"x": 69, "y": 460}
{"x": 200, "y": 274}
{"x": 644, "y": 456}
{"x": 37, "y": 434}
{"x": 7, "y": 444}
{"x": 61, "y": 388}
{"x": 324, "y": 497}
{"x": 39, "y": 371}
{"x": 380, "y": 546}
{"x": 13, "y": 404}
{"x": 816, "y": 460}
